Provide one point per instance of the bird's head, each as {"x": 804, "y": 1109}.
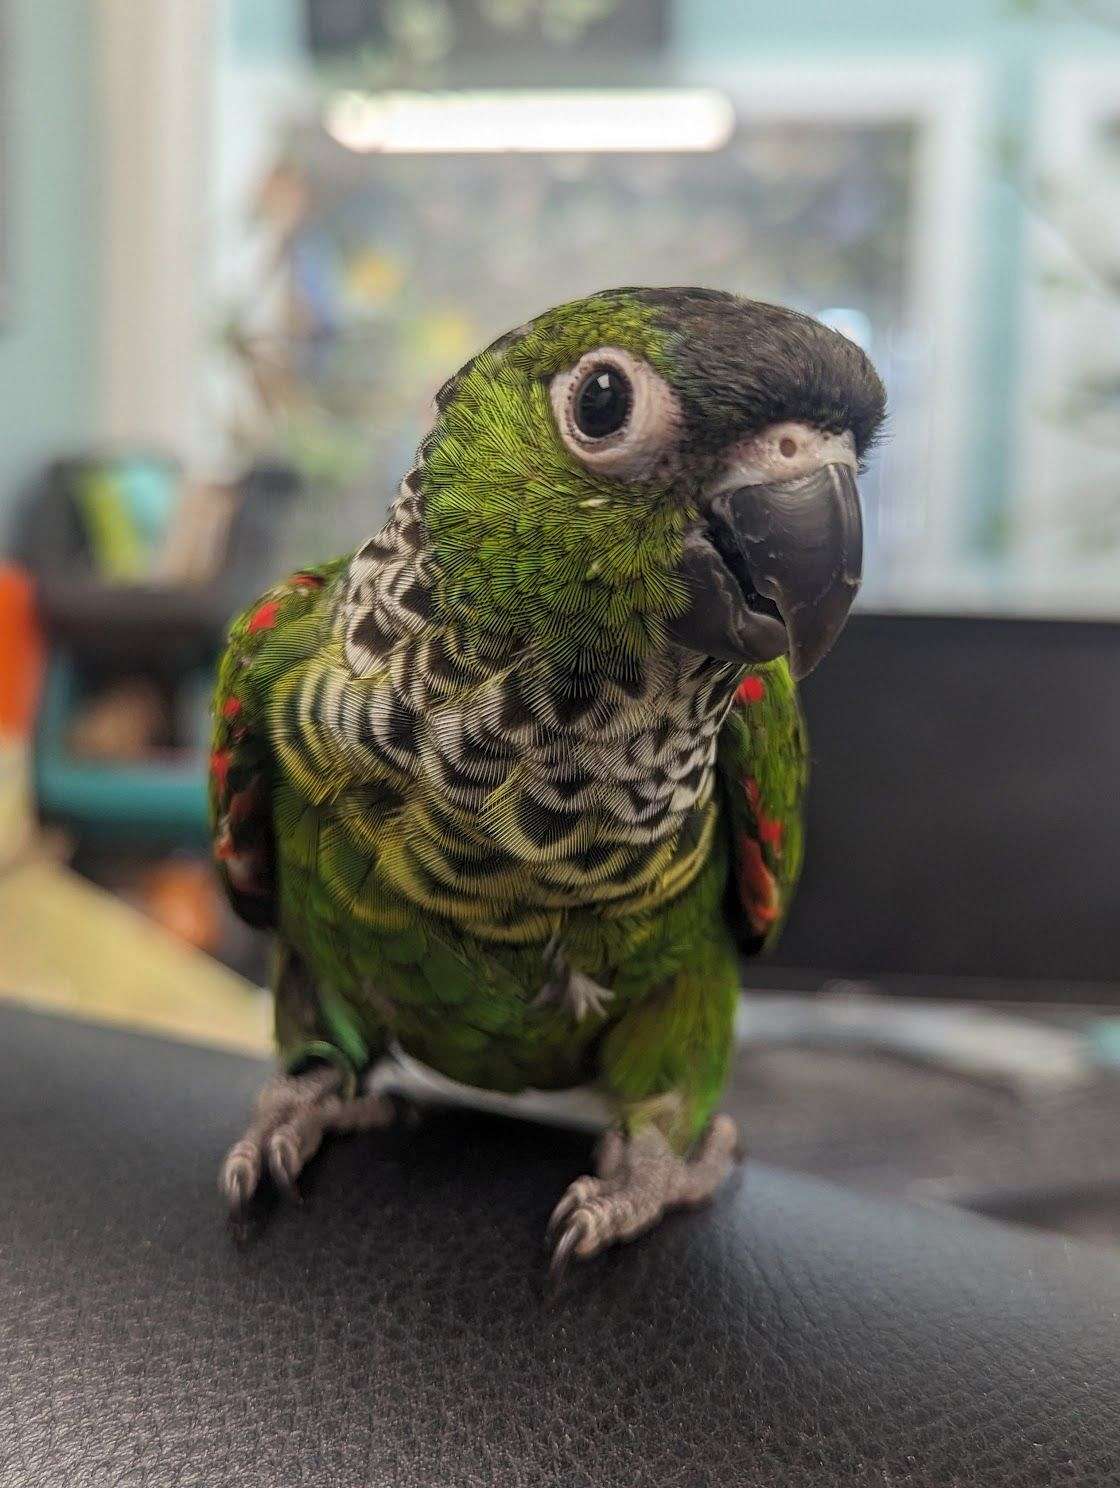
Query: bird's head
{"x": 649, "y": 464}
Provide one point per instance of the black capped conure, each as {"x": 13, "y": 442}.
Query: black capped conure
{"x": 516, "y": 782}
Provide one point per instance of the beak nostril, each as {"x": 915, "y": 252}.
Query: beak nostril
{"x": 788, "y": 447}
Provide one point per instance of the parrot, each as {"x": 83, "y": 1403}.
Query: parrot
{"x": 515, "y": 784}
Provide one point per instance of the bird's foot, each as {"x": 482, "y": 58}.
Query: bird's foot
{"x": 581, "y": 995}
{"x": 639, "y": 1180}
{"x": 293, "y": 1114}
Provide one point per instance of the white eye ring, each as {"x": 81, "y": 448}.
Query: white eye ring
{"x": 633, "y": 451}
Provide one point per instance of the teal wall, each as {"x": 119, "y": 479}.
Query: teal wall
{"x": 1013, "y": 28}
{"x": 48, "y": 210}
{"x": 261, "y": 30}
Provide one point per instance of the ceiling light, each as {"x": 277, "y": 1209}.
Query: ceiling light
{"x": 570, "y": 120}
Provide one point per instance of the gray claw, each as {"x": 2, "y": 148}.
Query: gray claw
{"x": 578, "y": 1230}
{"x": 238, "y": 1178}
{"x": 284, "y": 1164}
{"x": 292, "y": 1114}
{"x": 556, "y": 1219}
{"x": 640, "y": 1179}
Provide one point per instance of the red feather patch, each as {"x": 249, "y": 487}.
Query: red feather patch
{"x": 769, "y": 827}
{"x": 750, "y": 690}
{"x": 770, "y": 831}
{"x": 758, "y": 889}
{"x": 219, "y": 767}
{"x": 264, "y": 616}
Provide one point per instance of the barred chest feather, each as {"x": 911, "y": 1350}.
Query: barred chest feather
{"x": 508, "y": 792}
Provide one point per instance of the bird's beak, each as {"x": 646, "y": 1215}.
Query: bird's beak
{"x": 775, "y": 568}
{"x": 802, "y": 543}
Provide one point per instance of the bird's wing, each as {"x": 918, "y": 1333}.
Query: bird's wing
{"x": 241, "y": 759}
{"x": 762, "y": 767}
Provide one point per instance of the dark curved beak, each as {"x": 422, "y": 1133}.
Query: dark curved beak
{"x": 801, "y": 542}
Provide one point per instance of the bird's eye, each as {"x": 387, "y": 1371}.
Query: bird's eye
{"x": 615, "y": 414}
{"x": 602, "y": 403}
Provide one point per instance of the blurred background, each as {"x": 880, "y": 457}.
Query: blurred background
{"x": 243, "y": 241}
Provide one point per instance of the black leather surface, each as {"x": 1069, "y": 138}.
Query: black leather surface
{"x": 393, "y": 1331}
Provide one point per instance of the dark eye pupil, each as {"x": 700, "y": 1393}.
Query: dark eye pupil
{"x": 602, "y": 404}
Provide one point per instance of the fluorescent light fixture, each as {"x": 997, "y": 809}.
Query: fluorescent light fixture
{"x": 576, "y": 120}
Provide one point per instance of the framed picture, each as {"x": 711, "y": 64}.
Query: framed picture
{"x": 844, "y": 189}
{"x": 1066, "y": 517}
